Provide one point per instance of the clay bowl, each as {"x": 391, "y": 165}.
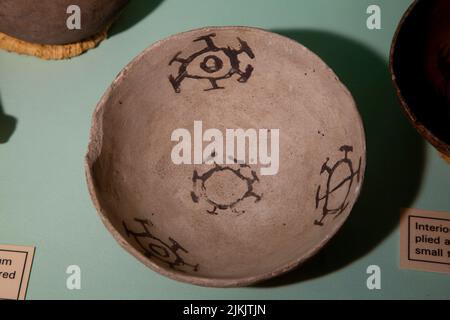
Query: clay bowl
{"x": 44, "y": 21}
{"x": 230, "y": 220}
{"x": 420, "y": 68}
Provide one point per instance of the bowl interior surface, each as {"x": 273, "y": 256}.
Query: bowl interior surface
{"x": 219, "y": 224}
{"x": 420, "y": 63}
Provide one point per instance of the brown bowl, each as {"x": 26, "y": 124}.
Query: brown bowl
{"x": 217, "y": 223}
{"x": 420, "y": 68}
{"x": 44, "y": 21}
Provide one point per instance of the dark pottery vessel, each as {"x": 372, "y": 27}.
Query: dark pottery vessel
{"x": 44, "y": 21}
{"x": 420, "y": 68}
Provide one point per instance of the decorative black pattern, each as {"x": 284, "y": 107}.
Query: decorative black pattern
{"x": 200, "y": 191}
{"x": 212, "y": 63}
{"x": 155, "y": 248}
{"x": 347, "y": 182}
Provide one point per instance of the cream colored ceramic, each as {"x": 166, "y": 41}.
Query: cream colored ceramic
{"x": 225, "y": 224}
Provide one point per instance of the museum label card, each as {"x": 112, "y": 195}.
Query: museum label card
{"x": 15, "y": 268}
{"x": 425, "y": 240}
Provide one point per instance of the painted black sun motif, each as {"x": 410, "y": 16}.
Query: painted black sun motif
{"x": 168, "y": 252}
{"x": 335, "y": 196}
{"x": 212, "y": 64}
{"x": 238, "y": 174}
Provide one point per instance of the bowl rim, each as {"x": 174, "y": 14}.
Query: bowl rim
{"x": 94, "y": 150}
{"x": 438, "y": 143}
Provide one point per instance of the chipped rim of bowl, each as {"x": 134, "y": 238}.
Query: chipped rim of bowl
{"x": 94, "y": 151}
{"x": 438, "y": 143}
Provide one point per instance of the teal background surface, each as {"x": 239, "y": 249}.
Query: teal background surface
{"x": 45, "y": 116}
